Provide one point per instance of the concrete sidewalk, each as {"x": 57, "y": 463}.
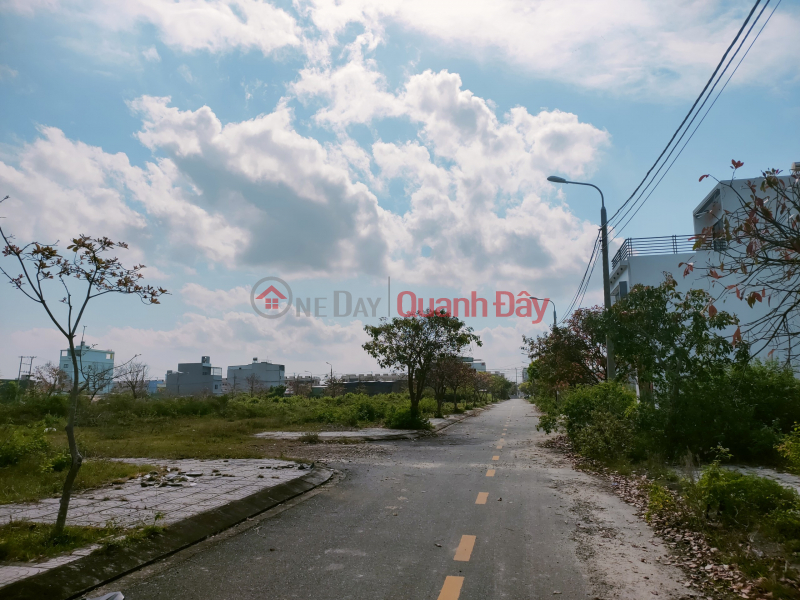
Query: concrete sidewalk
{"x": 188, "y": 488}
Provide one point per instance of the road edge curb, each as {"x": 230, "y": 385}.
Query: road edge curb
{"x": 76, "y": 578}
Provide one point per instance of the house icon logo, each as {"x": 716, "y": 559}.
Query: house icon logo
{"x": 271, "y": 303}
{"x": 269, "y": 291}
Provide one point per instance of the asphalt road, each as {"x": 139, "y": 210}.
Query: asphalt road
{"x": 400, "y": 527}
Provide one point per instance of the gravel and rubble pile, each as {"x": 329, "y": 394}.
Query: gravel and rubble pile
{"x": 174, "y": 477}
{"x": 706, "y": 575}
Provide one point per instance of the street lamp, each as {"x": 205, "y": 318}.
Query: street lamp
{"x": 551, "y": 302}
{"x": 610, "y": 366}
{"x": 331, "y": 366}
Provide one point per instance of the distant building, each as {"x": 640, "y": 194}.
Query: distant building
{"x": 475, "y": 363}
{"x": 269, "y": 375}
{"x": 193, "y": 379}
{"x": 154, "y": 386}
{"x": 94, "y": 364}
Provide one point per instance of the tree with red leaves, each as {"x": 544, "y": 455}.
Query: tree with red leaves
{"x": 758, "y": 246}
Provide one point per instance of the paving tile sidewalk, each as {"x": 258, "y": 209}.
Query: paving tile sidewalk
{"x": 130, "y": 504}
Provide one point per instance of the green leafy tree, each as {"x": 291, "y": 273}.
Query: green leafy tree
{"x": 444, "y": 373}
{"x": 674, "y": 345}
{"x": 570, "y": 355}
{"x": 416, "y": 343}
{"x": 664, "y": 337}
{"x": 500, "y": 387}
{"x": 82, "y": 273}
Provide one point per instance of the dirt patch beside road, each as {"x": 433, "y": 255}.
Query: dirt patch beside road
{"x": 336, "y": 452}
{"x": 622, "y": 557}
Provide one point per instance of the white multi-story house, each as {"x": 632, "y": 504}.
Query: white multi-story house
{"x": 646, "y": 260}
{"x": 94, "y": 365}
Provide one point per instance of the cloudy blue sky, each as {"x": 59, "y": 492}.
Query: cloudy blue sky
{"x": 338, "y": 143}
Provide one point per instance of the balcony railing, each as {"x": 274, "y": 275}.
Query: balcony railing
{"x": 667, "y": 244}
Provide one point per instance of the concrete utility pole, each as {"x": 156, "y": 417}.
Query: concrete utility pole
{"x": 610, "y": 364}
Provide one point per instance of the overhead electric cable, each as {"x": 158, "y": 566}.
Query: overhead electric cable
{"x": 614, "y": 220}
{"x": 691, "y": 110}
{"x": 616, "y": 231}
{"x": 584, "y": 280}
{"x": 639, "y": 202}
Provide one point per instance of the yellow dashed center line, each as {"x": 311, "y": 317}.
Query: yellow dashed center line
{"x": 451, "y": 588}
{"x": 482, "y": 497}
{"x": 465, "y": 548}
{"x": 496, "y": 457}
{"x": 490, "y": 473}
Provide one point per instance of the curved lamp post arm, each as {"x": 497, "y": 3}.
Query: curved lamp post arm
{"x": 551, "y": 302}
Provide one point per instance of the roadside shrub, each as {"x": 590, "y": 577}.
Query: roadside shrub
{"x": 607, "y": 436}
{"x": 790, "y": 448}
{"x": 18, "y": 442}
{"x": 404, "y": 418}
{"x": 739, "y": 500}
{"x": 57, "y": 463}
{"x": 660, "y": 503}
{"x": 785, "y": 524}
{"x": 8, "y": 391}
{"x": 551, "y": 412}
{"x": 600, "y": 419}
{"x": 310, "y": 437}
{"x": 33, "y": 407}
{"x": 746, "y": 408}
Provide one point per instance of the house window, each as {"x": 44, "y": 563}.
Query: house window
{"x": 718, "y": 236}
{"x": 108, "y": 356}
{"x": 271, "y": 304}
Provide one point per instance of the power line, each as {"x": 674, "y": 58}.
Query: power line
{"x": 614, "y": 220}
{"x": 584, "y": 281}
{"x": 639, "y": 201}
{"x": 689, "y": 114}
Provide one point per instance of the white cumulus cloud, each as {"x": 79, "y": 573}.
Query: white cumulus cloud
{"x": 75, "y": 188}
{"x": 659, "y": 48}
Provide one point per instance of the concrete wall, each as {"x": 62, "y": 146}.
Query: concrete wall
{"x": 649, "y": 270}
